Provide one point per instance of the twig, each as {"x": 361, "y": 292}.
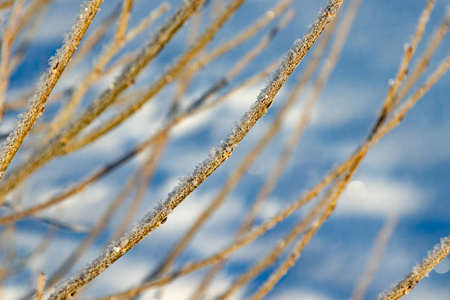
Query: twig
{"x": 147, "y": 174}
{"x": 40, "y": 288}
{"x": 162, "y": 8}
{"x": 99, "y": 227}
{"x": 94, "y": 38}
{"x": 334, "y": 193}
{"x": 55, "y": 145}
{"x": 9, "y": 35}
{"x": 425, "y": 59}
{"x": 256, "y": 232}
{"x": 404, "y": 64}
{"x": 291, "y": 144}
{"x": 104, "y": 57}
{"x": 278, "y": 249}
{"x": 82, "y": 185}
{"x": 154, "y": 219}
{"x": 38, "y": 100}
{"x": 303, "y": 120}
{"x": 439, "y": 252}
{"x": 237, "y": 174}
{"x": 256, "y": 151}
{"x": 242, "y": 37}
{"x": 174, "y": 72}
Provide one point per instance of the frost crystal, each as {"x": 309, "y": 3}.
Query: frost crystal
{"x": 124, "y": 243}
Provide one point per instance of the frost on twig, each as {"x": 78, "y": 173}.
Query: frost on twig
{"x": 420, "y": 271}
{"x": 56, "y": 144}
{"x": 217, "y": 156}
{"x": 48, "y": 81}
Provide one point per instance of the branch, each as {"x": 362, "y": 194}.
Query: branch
{"x": 154, "y": 219}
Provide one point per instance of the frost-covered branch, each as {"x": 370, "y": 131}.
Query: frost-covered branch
{"x": 55, "y": 145}
{"x": 218, "y": 155}
{"x": 48, "y": 82}
{"x": 349, "y": 164}
{"x": 439, "y": 252}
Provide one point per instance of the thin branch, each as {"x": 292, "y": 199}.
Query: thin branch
{"x": 303, "y": 120}
{"x": 404, "y": 64}
{"x": 439, "y": 252}
{"x": 117, "y": 42}
{"x": 99, "y": 227}
{"x": 154, "y": 219}
{"x": 173, "y": 72}
{"x": 425, "y": 59}
{"x": 38, "y": 100}
{"x": 40, "y": 288}
{"x": 335, "y": 192}
{"x": 145, "y": 23}
{"x": 241, "y": 169}
{"x": 94, "y": 38}
{"x": 9, "y": 35}
{"x": 256, "y": 232}
{"x": 147, "y": 174}
{"x": 292, "y": 142}
{"x": 101, "y": 172}
{"x": 255, "y": 152}
{"x": 295, "y": 253}
{"x": 252, "y": 30}
{"x": 278, "y": 249}
{"x": 55, "y": 146}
